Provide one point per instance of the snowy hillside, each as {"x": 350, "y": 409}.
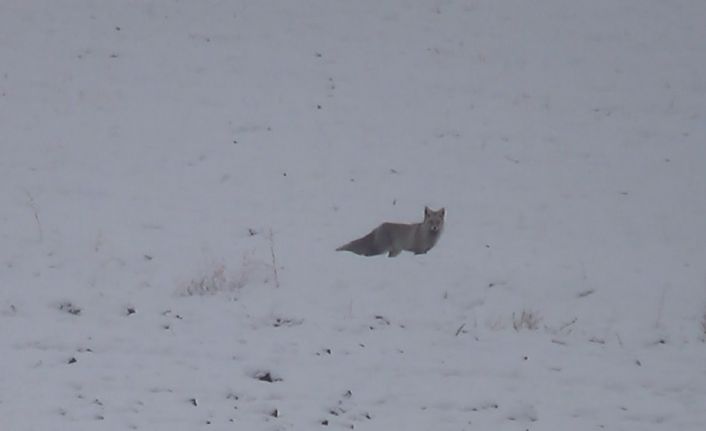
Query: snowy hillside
{"x": 175, "y": 177}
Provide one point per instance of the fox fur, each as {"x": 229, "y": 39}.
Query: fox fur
{"x": 392, "y": 238}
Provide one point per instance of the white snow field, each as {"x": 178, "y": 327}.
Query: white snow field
{"x": 175, "y": 176}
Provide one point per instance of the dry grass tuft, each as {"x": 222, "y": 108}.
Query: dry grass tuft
{"x": 526, "y": 320}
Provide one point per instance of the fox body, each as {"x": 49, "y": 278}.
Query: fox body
{"x": 392, "y": 238}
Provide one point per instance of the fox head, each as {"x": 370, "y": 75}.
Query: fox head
{"x": 434, "y": 220}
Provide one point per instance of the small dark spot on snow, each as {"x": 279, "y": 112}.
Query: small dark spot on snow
{"x": 348, "y": 394}
{"x": 130, "y": 311}
{"x": 319, "y": 55}
{"x": 638, "y": 363}
{"x": 148, "y": 257}
{"x": 318, "y": 106}
{"x": 525, "y": 358}
{"x": 193, "y": 402}
{"x": 70, "y": 308}
{"x": 284, "y": 174}
{"x": 382, "y": 319}
{"x": 324, "y": 422}
{"x": 585, "y": 293}
{"x": 274, "y": 413}
{"x": 266, "y": 376}
{"x": 113, "y": 55}
{"x": 72, "y": 360}
{"x": 117, "y": 28}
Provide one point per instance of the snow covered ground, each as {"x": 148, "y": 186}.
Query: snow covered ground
{"x": 175, "y": 175}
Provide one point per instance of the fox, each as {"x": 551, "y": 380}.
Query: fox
{"x": 392, "y": 238}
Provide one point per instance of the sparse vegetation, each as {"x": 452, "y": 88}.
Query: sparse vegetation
{"x": 218, "y": 279}
{"x": 212, "y": 283}
{"x": 526, "y": 320}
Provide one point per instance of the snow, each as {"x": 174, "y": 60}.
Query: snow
{"x": 175, "y": 177}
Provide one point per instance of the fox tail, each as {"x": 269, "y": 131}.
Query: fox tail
{"x": 364, "y": 246}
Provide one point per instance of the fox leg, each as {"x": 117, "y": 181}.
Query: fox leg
{"x": 394, "y": 252}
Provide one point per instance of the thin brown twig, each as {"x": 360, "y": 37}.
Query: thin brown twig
{"x": 274, "y": 260}
{"x": 33, "y": 205}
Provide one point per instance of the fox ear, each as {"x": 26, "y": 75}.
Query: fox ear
{"x": 442, "y": 212}
{"x": 426, "y": 211}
